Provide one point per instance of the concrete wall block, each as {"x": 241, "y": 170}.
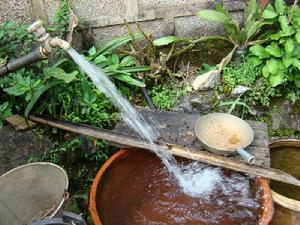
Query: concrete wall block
{"x": 105, "y": 34}
{"x": 88, "y": 9}
{"x": 193, "y": 27}
{"x": 154, "y": 4}
{"x": 50, "y": 8}
{"x": 16, "y": 10}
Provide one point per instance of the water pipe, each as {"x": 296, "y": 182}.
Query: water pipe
{"x": 47, "y": 43}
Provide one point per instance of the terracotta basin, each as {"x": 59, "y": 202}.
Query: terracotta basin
{"x": 104, "y": 175}
{"x": 284, "y": 156}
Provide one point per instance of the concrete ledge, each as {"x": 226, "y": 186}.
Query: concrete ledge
{"x": 160, "y": 13}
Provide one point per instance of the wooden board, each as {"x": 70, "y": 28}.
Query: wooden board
{"x": 178, "y": 128}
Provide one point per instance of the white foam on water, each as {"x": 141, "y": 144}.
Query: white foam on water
{"x": 193, "y": 179}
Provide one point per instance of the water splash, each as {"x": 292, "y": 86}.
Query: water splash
{"x": 189, "y": 178}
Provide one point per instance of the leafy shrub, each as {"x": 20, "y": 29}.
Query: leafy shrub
{"x": 14, "y": 41}
{"x": 247, "y": 74}
{"x": 240, "y": 37}
{"x": 279, "y": 58}
{"x": 165, "y": 97}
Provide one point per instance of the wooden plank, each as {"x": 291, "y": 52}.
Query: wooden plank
{"x": 178, "y": 128}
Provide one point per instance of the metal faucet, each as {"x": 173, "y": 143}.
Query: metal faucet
{"x": 47, "y": 44}
{"x": 47, "y": 41}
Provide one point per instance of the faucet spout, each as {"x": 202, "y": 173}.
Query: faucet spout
{"x": 47, "y": 41}
{"x": 57, "y": 42}
{"x": 47, "y": 44}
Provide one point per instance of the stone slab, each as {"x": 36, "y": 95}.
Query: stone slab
{"x": 17, "y": 147}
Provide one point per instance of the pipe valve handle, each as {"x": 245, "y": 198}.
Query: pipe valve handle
{"x": 33, "y": 27}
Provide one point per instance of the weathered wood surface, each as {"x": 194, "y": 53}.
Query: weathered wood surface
{"x": 178, "y": 128}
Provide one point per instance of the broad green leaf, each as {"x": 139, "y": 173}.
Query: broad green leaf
{"x": 220, "y": 8}
{"x": 283, "y": 40}
{"x": 92, "y": 51}
{"x": 297, "y": 82}
{"x": 115, "y": 59}
{"x": 280, "y": 6}
{"x": 100, "y": 59}
{"x": 274, "y": 49}
{"x": 269, "y": 12}
{"x": 116, "y": 43}
{"x": 136, "y": 69}
{"x": 284, "y": 24}
{"x": 287, "y": 61}
{"x": 214, "y": 16}
{"x": 259, "y": 51}
{"x": 252, "y": 9}
{"x": 289, "y": 46}
{"x": 36, "y": 96}
{"x": 128, "y": 79}
{"x": 233, "y": 31}
{"x": 60, "y": 74}
{"x": 127, "y": 61}
{"x": 167, "y": 40}
{"x": 276, "y": 79}
{"x": 272, "y": 66}
{"x": 256, "y": 61}
{"x": 296, "y": 51}
{"x": 16, "y": 91}
{"x": 251, "y": 28}
{"x": 297, "y": 36}
{"x": 275, "y": 36}
{"x": 265, "y": 71}
{"x": 296, "y": 63}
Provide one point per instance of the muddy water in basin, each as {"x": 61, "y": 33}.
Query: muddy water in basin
{"x": 288, "y": 160}
{"x": 138, "y": 190}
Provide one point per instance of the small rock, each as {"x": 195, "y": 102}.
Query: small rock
{"x": 286, "y": 115}
{"x": 239, "y": 90}
{"x": 200, "y": 102}
{"x": 19, "y": 122}
{"x": 207, "y": 80}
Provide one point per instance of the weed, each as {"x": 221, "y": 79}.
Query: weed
{"x": 165, "y": 97}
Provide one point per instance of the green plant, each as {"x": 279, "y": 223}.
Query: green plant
{"x": 279, "y": 59}
{"x": 233, "y": 104}
{"x": 14, "y": 41}
{"x": 205, "y": 68}
{"x": 23, "y": 84}
{"x": 121, "y": 67}
{"x": 5, "y": 111}
{"x": 260, "y": 93}
{"x": 165, "y": 97}
{"x": 61, "y": 19}
{"x": 240, "y": 37}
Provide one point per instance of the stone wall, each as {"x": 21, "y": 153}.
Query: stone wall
{"x": 105, "y": 17}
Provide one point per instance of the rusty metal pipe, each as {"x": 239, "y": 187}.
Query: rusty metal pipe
{"x": 40, "y": 53}
{"x": 23, "y": 61}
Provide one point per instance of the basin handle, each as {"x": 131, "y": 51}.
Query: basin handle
{"x": 246, "y": 156}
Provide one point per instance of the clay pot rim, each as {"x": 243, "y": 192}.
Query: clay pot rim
{"x": 282, "y": 200}
{"x": 267, "y": 202}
